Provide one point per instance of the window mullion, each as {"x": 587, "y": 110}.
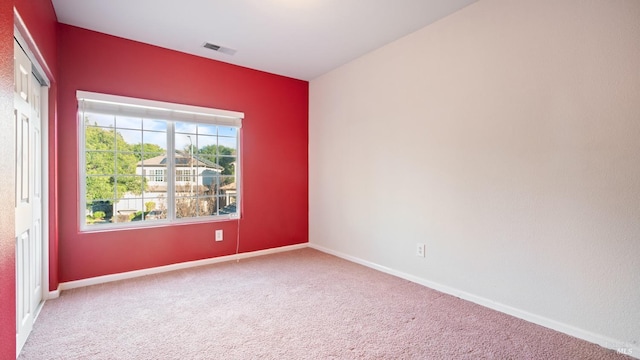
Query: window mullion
{"x": 238, "y": 171}
{"x": 82, "y": 162}
{"x": 169, "y": 176}
{"x": 114, "y": 196}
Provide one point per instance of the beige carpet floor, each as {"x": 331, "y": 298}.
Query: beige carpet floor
{"x": 302, "y": 304}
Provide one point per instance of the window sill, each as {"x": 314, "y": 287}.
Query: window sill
{"x": 126, "y": 226}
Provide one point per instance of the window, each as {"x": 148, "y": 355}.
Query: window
{"x": 146, "y": 162}
{"x": 185, "y": 175}
{"x": 159, "y": 175}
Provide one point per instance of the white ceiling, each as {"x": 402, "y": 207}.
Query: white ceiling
{"x": 302, "y": 39}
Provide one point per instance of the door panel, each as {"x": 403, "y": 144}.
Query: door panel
{"x": 23, "y": 308}
{"x": 35, "y": 186}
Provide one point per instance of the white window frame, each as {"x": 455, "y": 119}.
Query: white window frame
{"x": 158, "y": 110}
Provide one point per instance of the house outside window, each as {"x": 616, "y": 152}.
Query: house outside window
{"x": 146, "y": 162}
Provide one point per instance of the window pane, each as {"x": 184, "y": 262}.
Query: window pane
{"x": 127, "y": 164}
{"x": 205, "y": 164}
{"x": 207, "y": 159}
{"x": 154, "y": 157}
{"x": 228, "y": 145}
{"x": 185, "y": 207}
{"x": 227, "y": 205}
{"x": 97, "y": 138}
{"x": 209, "y": 179}
{"x": 126, "y": 208}
{"x": 123, "y": 122}
{"x": 185, "y": 128}
{"x": 228, "y": 181}
{"x": 207, "y": 206}
{"x": 98, "y": 211}
{"x": 155, "y": 209}
{"x": 207, "y": 129}
{"x": 185, "y": 144}
{"x": 227, "y": 131}
{"x": 131, "y": 208}
{"x": 153, "y": 141}
{"x": 227, "y": 165}
{"x": 156, "y": 125}
{"x": 202, "y": 189}
{"x": 153, "y": 160}
{"x": 205, "y": 142}
{"x": 99, "y": 120}
{"x": 126, "y": 185}
{"x": 130, "y": 138}
{"x": 100, "y": 163}
{"x": 227, "y": 187}
{"x": 99, "y": 187}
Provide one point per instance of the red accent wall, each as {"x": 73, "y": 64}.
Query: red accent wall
{"x": 275, "y": 139}
{"x": 40, "y": 18}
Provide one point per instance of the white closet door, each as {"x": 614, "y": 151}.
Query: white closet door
{"x": 28, "y": 176}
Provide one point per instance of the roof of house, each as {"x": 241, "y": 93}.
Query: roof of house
{"x": 231, "y": 186}
{"x": 181, "y": 160}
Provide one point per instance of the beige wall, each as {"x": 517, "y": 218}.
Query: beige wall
{"x": 507, "y": 138}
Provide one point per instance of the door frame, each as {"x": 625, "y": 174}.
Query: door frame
{"x": 39, "y": 67}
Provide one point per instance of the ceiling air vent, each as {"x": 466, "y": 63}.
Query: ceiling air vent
{"x": 219, "y": 48}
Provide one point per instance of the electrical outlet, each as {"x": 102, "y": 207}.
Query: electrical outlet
{"x": 218, "y": 235}
{"x": 420, "y": 250}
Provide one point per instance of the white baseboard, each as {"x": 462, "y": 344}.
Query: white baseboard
{"x": 157, "y": 270}
{"x": 53, "y": 294}
{"x": 601, "y": 340}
